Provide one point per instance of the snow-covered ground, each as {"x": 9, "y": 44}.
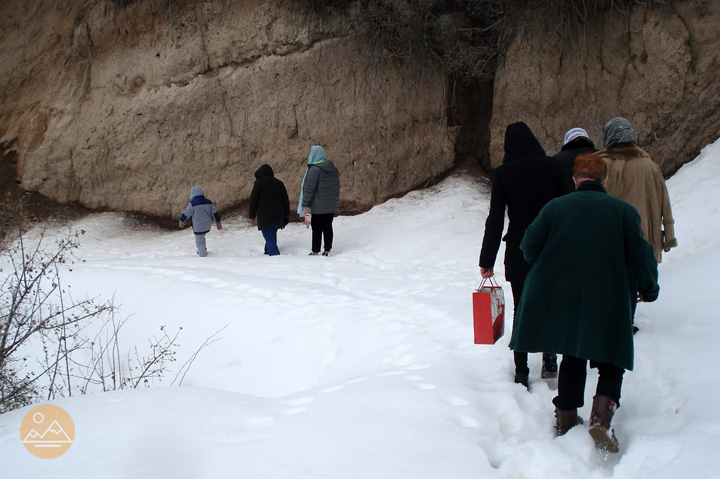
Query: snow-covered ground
{"x": 362, "y": 365}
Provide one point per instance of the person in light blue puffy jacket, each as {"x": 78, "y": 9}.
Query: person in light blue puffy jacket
{"x": 201, "y": 212}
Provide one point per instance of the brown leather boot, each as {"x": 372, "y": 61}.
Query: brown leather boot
{"x": 603, "y": 410}
{"x": 566, "y": 419}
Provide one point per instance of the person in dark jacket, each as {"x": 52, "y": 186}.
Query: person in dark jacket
{"x": 320, "y": 198}
{"x": 269, "y": 207}
{"x": 577, "y": 299}
{"x": 526, "y": 180}
{"x": 202, "y": 212}
{"x": 576, "y": 143}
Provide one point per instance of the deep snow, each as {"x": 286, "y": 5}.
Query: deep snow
{"x": 363, "y": 364}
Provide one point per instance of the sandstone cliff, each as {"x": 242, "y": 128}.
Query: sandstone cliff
{"x": 125, "y": 104}
{"x": 657, "y": 66}
{"x": 126, "y": 107}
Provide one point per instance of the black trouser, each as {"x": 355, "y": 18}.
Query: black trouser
{"x": 322, "y": 229}
{"x": 571, "y": 382}
{"x": 521, "y": 358}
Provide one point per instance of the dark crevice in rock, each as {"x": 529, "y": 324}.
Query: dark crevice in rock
{"x": 469, "y": 108}
{"x": 36, "y": 207}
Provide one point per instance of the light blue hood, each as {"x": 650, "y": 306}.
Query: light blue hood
{"x": 196, "y": 191}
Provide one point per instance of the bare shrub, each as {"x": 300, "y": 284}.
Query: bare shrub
{"x": 47, "y": 349}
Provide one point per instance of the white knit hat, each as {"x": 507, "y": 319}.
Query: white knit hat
{"x": 574, "y": 134}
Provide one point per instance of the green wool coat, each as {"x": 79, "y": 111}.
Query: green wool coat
{"x": 576, "y": 298}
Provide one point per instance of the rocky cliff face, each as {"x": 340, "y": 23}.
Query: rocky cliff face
{"x": 658, "y": 67}
{"x": 126, "y": 107}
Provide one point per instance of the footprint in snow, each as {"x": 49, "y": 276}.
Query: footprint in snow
{"x": 295, "y": 410}
{"x": 456, "y": 401}
{"x": 331, "y": 389}
{"x": 426, "y": 386}
{"x": 299, "y": 401}
{"x": 467, "y": 421}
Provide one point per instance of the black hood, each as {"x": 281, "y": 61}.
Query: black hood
{"x": 521, "y": 143}
{"x": 264, "y": 170}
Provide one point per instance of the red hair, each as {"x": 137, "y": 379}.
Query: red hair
{"x": 589, "y": 165}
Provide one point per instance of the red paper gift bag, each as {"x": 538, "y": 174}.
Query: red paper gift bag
{"x": 488, "y": 313}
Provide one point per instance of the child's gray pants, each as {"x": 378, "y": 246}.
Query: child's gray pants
{"x": 200, "y": 243}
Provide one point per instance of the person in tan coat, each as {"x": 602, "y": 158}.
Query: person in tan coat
{"x": 634, "y": 177}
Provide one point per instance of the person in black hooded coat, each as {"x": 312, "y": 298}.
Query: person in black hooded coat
{"x": 269, "y": 207}
{"x": 524, "y": 183}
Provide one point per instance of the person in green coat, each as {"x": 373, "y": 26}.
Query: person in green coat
{"x": 582, "y": 249}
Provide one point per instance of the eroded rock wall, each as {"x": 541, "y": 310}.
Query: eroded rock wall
{"x": 126, "y": 104}
{"x": 126, "y": 108}
{"x": 657, "y": 66}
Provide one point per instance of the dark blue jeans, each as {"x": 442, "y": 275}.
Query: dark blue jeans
{"x": 270, "y": 235}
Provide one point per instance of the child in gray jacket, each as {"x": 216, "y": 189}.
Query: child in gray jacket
{"x": 202, "y": 211}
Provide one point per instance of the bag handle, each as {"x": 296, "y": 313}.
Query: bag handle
{"x": 493, "y": 283}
